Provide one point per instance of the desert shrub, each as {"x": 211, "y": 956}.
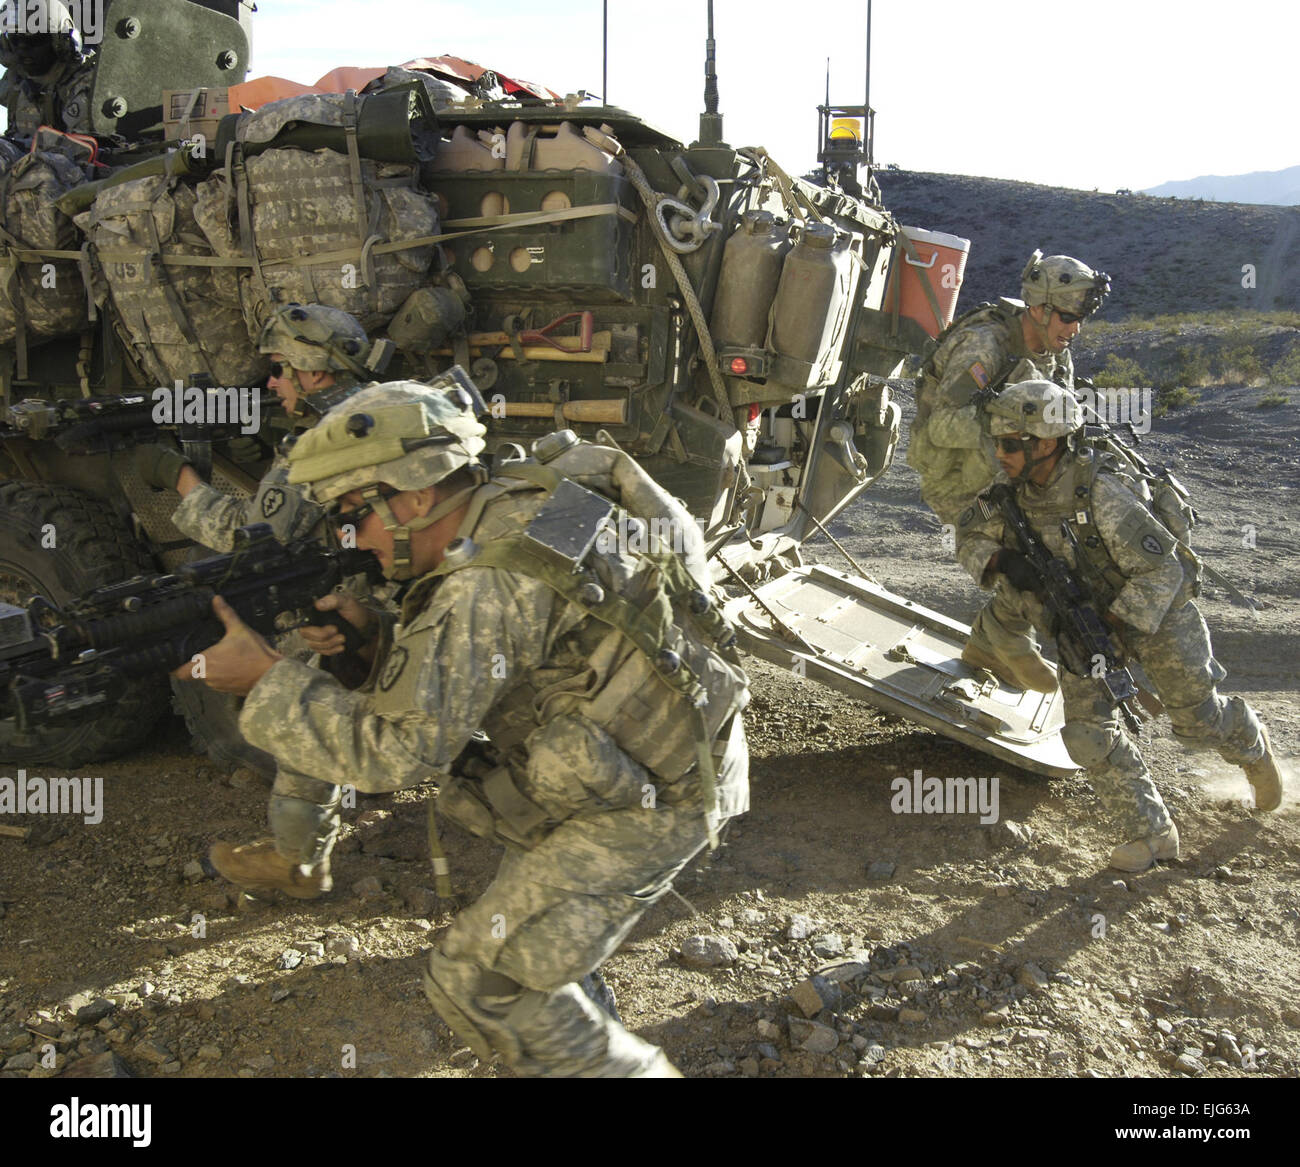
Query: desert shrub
{"x": 1286, "y": 371}
{"x": 1240, "y": 364}
{"x": 1120, "y": 372}
{"x": 1272, "y": 401}
{"x": 1171, "y": 397}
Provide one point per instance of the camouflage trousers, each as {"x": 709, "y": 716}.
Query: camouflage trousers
{"x": 304, "y": 816}
{"x": 1179, "y": 661}
{"x": 505, "y": 975}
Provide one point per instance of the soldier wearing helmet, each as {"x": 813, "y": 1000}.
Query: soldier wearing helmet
{"x": 318, "y": 358}
{"x": 1142, "y": 582}
{"x": 48, "y": 79}
{"x": 602, "y": 673}
{"x": 988, "y": 347}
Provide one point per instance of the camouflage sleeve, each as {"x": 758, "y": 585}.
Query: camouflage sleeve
{"x": 972, "y": 364}
{"x": 978, "y": 540}
{"x": 433, "y": 688}
{"x": 1142, "y": 549}
{"x": 211, "y": 518}
{"x": 75, "y": 96}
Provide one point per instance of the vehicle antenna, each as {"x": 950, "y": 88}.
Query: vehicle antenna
{"x": 710, "y": 119}
{"x": 604, "y": 52}
{"x": 868, "y": 127}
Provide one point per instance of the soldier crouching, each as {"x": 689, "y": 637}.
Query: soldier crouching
{"x": 1142, "y": 582}
{"x": 605, "y": 679}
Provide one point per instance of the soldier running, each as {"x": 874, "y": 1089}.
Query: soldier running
{"x": 991, "y": 346}
{"x": 1142, "y": 581}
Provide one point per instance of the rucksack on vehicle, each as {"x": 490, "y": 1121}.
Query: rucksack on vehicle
{"x": 179, "y": 317}
{"x": 329, "y": 224}
{"x": 41, "y": 296}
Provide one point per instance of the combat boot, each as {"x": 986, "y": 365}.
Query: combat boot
{"x": 1265, "y": 777}
{"x": 1141, "y": 853}
{"x": 260, "y": 867}
{"x": 1030, "y": 671}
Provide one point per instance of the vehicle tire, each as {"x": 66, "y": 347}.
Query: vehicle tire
{"x": 213, "y": 721}
{"x": 90, "y": 547}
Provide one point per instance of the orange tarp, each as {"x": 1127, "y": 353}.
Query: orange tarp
{"x": 251, "y": 94}
{"x": 255, "y": 93}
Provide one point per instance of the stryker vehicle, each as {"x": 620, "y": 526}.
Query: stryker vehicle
{"x": 730, "y": 326}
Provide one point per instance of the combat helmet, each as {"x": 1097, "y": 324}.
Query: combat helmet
{"x": 402, "y": 434}
{"x": 33, "y": 53}
{"x": 1063, "y": 283}
{"x": 1041, "y": 409}
{"x": 316, "y": 338}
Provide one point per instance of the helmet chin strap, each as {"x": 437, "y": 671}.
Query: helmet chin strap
{"x": 1040, "y": 330}
{"x": 1032, "y": 463}
{"x": 402, "y": 568}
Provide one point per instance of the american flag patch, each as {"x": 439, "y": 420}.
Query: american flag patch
{"x": 981, "y": 377}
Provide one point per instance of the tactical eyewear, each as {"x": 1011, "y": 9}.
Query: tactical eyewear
{"x": 278, "y": 369}
{"x": 1013, "y": 443}
{"x": 1070, "y": 317}
{"x": 341, "y": 519}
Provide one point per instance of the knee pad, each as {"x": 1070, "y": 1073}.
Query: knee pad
{"x": 304, "y": 831}
{"x": 1088, "y": 745}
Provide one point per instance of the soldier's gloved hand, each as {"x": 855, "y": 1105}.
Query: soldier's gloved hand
{"x": 1020, "y": 572}
{"x": 158, "y": 465}
{"x": 245, "y": 448}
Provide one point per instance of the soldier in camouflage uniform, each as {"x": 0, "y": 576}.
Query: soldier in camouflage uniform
{"x": 48, "y": 79}
{"x": 1143, "y": 582}
{"x": 605, "y": 678}
{"x": 318, "y": 358}
{"x": 994, "y": 345}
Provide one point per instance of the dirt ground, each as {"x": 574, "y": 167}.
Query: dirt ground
{"x": 950, "y": 948}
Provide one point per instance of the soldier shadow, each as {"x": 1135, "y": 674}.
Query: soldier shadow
{"x": 1046, "y": 922}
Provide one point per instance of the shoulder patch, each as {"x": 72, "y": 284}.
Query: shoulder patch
{"x": 393, "y": 667}
{"x": 1152, "y": 545}
{"x": 979, "y": 375}
{"x": 272, "y": 501}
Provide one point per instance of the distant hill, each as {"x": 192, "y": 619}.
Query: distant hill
{"x": 1163, "y": 255}
{"x": 1276, "y": 187}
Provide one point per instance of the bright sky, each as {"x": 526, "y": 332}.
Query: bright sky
{"x": 1089, "y": 93}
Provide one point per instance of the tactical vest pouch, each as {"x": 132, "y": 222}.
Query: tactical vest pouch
{"x": 493, "y": 808}
{"x": 664, "y": 681}
{"x": 1103, "y": 574}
